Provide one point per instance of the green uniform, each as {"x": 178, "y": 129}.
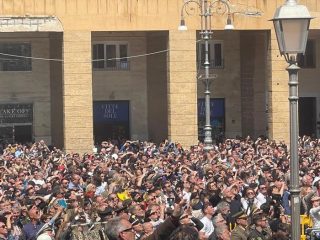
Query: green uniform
{"x": 239, "y": 233}
{"x": 256, "y": 235}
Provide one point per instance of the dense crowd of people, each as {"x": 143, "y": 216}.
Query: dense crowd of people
{"x": 140, "y": 190}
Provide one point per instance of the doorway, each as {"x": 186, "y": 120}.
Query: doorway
{"x": 16, "y": 133}
{"x": 307, "y": 116}
{"x": 110, "y": 120}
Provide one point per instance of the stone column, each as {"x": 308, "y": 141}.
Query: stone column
{"x": 77, "y": 92}
{"x": 278, "y": 103}
{"x": 182, "y": 88}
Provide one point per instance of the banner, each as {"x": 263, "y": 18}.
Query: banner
{"x": 111, "y": 111}
{"x": 216, "y": 107}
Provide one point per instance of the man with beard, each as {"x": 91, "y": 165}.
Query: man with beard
{"x": 30, "y": 229}
{"x": 259, "y": 230}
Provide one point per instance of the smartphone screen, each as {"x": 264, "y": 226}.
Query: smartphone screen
{"x": 62, "y": 203}
{"x": 170, "y": 201}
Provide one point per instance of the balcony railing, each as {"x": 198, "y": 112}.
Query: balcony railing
{"x": 111, "y": 65}
{"x": 213, "y": 64}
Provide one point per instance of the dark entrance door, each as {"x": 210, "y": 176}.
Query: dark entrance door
{"x": 16, "y": 134}
{"x": 110, "y": 120}
{"x": 307, "y": 116}
{"x": 23, "y": 134}
{"x": 6, "y": 134}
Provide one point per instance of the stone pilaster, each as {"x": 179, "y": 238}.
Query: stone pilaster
{"x": 77, "y": 91}
{"x": 278, "y": 93}
{"x": 182, "y": 88}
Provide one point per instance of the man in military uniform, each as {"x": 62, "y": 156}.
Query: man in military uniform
{"x": 239, "y": 232}
{"x": 259, "y": 230}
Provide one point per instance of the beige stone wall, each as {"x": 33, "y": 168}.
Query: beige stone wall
{"x": 77, "y": 91}
{"x": 30, "y": 87}
{"x": 278, "y": 104}
{"x": 99, "y": 15}
{"x": 182, "y": 88}
{"x": 126, "y": 85}
{"x": 81, "y": 17}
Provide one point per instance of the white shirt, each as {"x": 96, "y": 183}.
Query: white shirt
{"x": 38, "y": 181}
{"x": 315, "y": 216}
{"x": 261, "y": 198}
{"x": 208, "y": 226}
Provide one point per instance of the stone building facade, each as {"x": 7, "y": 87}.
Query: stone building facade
{"x": 97, "y": 69}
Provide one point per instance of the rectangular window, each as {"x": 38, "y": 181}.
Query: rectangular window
{"x": 123, "y": 56}
{"x": 215, "y": 54}
{"x": 308, "y": 60}
{"x": 98, "y": 56}
{"x": 110, "y": 56}
{"x": 18, "y": 58}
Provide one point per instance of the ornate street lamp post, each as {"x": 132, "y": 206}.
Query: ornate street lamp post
{"x": 291, "y": 24}
{"x": 206, "y": 8}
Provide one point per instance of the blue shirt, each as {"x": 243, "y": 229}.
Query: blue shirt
{"x": 71, "y": 186}
{"x": 30, "y": 230}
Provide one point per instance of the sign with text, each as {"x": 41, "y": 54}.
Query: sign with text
{"x": 216, "y": 107}
{"x": 111, "y": 111}
{"x": 16, "y": 113}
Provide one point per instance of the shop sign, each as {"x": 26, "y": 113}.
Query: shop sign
{"x": 16, "y": 113}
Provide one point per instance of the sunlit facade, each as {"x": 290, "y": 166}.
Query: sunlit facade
{"x": 77, "y": 72}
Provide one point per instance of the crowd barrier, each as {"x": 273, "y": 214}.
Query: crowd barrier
{"x": 305, "y": 222}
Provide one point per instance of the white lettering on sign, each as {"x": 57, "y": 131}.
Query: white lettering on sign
{"x": 111, "y": 111}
